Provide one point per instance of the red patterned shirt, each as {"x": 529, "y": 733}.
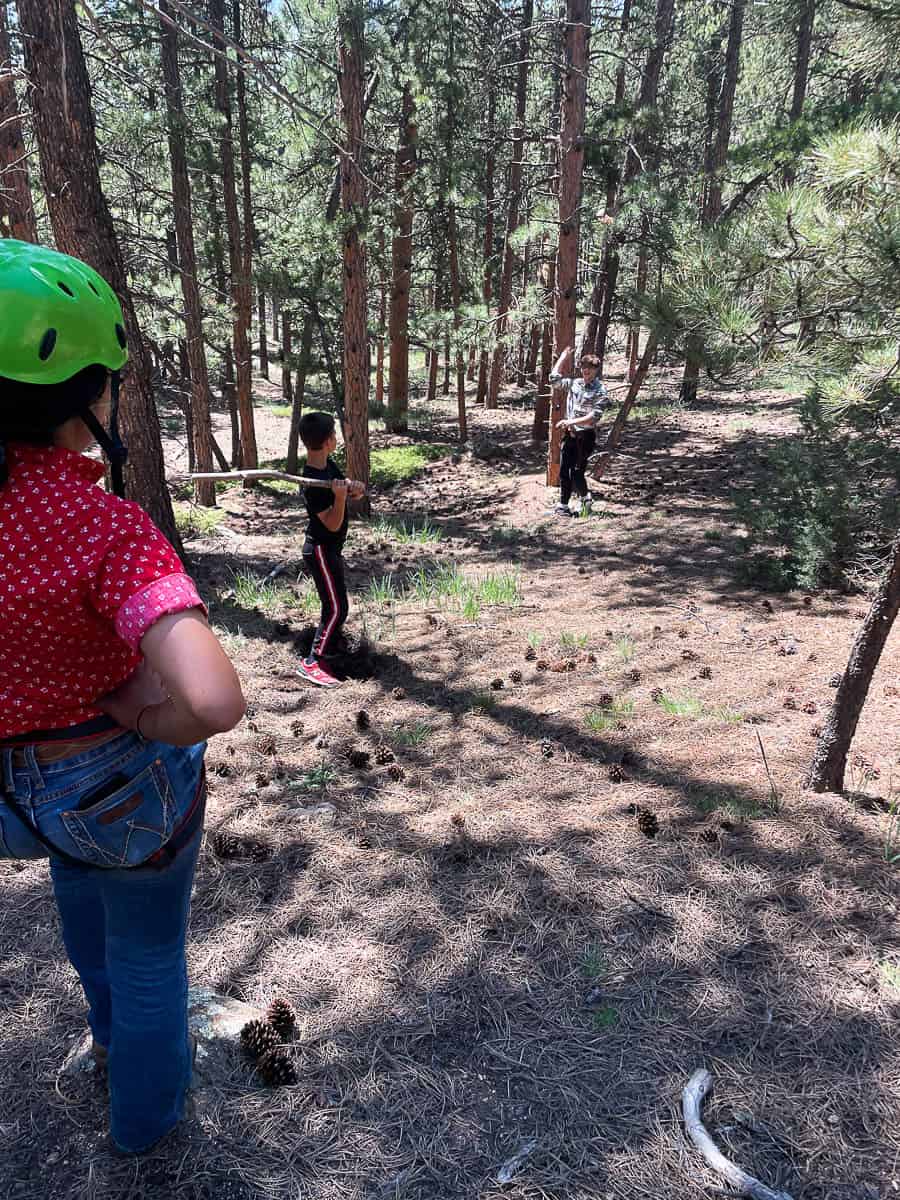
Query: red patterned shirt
{"x": 83, "y": 576}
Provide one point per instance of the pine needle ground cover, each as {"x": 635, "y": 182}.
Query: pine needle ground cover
{"x": 519, "y": 916}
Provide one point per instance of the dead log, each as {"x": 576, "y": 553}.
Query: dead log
{"x": 301, "y": 480}
{"x": 691, "y": 1103}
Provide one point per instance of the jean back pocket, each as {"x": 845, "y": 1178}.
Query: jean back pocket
{"x": 127, "y": 822}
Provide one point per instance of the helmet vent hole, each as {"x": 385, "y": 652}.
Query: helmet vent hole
{"x": 120, "y": 334}
{"x": 93, "y": 288}
{"x": 48, "y": 343}
{"x": 64, "y": 287}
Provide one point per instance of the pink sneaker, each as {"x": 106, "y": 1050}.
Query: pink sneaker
{"x": 317, "y": 674}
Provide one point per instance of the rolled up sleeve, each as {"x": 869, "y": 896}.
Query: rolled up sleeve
{"x": 140, "y": 578}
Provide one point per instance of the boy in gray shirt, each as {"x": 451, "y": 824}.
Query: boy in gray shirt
{"x": 585, "y": 398}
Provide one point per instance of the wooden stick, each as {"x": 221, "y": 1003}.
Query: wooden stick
{"x": 302, "y": 480}
{"x": 691, "y": 1102}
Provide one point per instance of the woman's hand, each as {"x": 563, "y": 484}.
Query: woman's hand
{"x": 141, "y": 690}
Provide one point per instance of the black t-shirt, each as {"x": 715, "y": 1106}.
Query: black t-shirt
{"x": 317, "y": 501}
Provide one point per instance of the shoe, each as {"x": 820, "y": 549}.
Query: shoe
{"x": 563, "y": 510}
{"x": 317, "y": 674}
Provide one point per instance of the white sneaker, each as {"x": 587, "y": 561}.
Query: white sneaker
{"x": 563, "y": 509}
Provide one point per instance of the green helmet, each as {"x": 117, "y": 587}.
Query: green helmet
{"x": 57, "y": 316}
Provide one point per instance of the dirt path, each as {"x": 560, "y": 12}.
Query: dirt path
{"x": 580, "y": 884}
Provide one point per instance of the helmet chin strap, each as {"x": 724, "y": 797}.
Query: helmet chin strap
{"x": 110, "y": 443}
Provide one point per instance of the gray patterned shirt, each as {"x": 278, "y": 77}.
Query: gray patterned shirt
{"x": 582, "y": 399}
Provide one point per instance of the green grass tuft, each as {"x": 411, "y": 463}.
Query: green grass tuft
{"x": 268, "y": 597}
{"x": 416, "y": 734}
{"x": 193, "y": 520}
{"x": 681, "y": 706}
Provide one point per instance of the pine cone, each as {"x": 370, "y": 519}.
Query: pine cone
{"x": 790, "y": 704}
{"x": 530, "y": 654}
{"x": 616, "y": 773}
{"x": 706, "y": 672}
{"x": 547, "y": 749}
{"x": 656, "y": 695}
{"x": 682, "y": 633}
{"x": 648, "y": 823}
{"x": 542, "y": 664}
{"x": 396, "y": 772}
{"x": 496, "y": 685}
{"x": 515, "y": 677}
{"x": 276, "y": 1069}
{"x": 359, "y": 759}
{"x": 384, "y": 755}
{"x": 562, "y": 665}
{"x": 399, "y": 693}
{"x": 362, "y": 720}
{"x": 835, "y": 681}
{"x": 281, "y": 1017}
{"x": 605, "y": 700}
{"x": 816, "y": 731}
{"x": 251, "y": 712}
{"x": 297, "y": 728}
{"x": 688, "y": 655}
{"x": 634, "y": 675}
{"x": 810, "y": 708}
{"x": 266, "y": 744}
{"x": 262, "y": 779}
{"x": 807, "y": 601}
{"x": 222, "y": 770}
{"x": 258, "y": 1038}
{"x": 225, "y": 845}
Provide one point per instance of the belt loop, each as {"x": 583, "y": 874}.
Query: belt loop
{"x": 34, "y": 771}
{"x": 7, "y": 781}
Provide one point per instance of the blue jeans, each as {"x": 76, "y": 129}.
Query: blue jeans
{"x": 124, "y": 927}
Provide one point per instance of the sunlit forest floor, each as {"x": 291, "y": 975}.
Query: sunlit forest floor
{"x": 570, "y": 861}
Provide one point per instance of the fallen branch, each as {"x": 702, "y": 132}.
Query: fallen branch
{"x": 691, "y": 1102}
{"x": 301, "y": 480}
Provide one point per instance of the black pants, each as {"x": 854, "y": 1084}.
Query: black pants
{"x": 326, "y": 565}
{"x": 577, "y": 448}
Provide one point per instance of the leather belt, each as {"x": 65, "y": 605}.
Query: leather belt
{"x": 51, "y": 752}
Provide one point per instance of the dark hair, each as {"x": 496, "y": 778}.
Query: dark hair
{"x": 30, "y": 412}
{"x": 315, "y": 429}
{"x": 590, "y": 360}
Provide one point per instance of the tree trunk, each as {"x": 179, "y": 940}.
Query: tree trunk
{"x": 351, "y": 51}
{"x": 16, "y": 204}
{"x": 200, "y": 430}
{"x": 715, "y": 163}
{"x": 640, "y": 289}
{"x": 640, "y": 151}
{"x": 726, "y": 112}
{"x": 240, "y": 282}
{"x": 571, "y": 159}
{"x": 433, "y": 360}
{"x": 615, "y": 434}
{"x": 263, "y": 340}
{"x": 807, "y": 17}
{"x": 82, "y": 225}
{"x": 515, "y": 197}
{"x": 540, "y": 430}
{"x": 453, "y": 239}
{"x": 299, "y": 394}
{"x": 401, "y": 266}
{"x": 827, "y": 771}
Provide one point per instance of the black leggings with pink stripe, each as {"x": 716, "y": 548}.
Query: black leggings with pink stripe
{"x": 326, "y": 565}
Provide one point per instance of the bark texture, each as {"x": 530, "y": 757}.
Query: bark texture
{"x": 200, "y": 425}
{"x": 571, "y": 169}
{"x": 16, "y": 205}
{"x": 82, "y": 226}
{"x": 353, "y": 204}
{"x": 829, "y": 764}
